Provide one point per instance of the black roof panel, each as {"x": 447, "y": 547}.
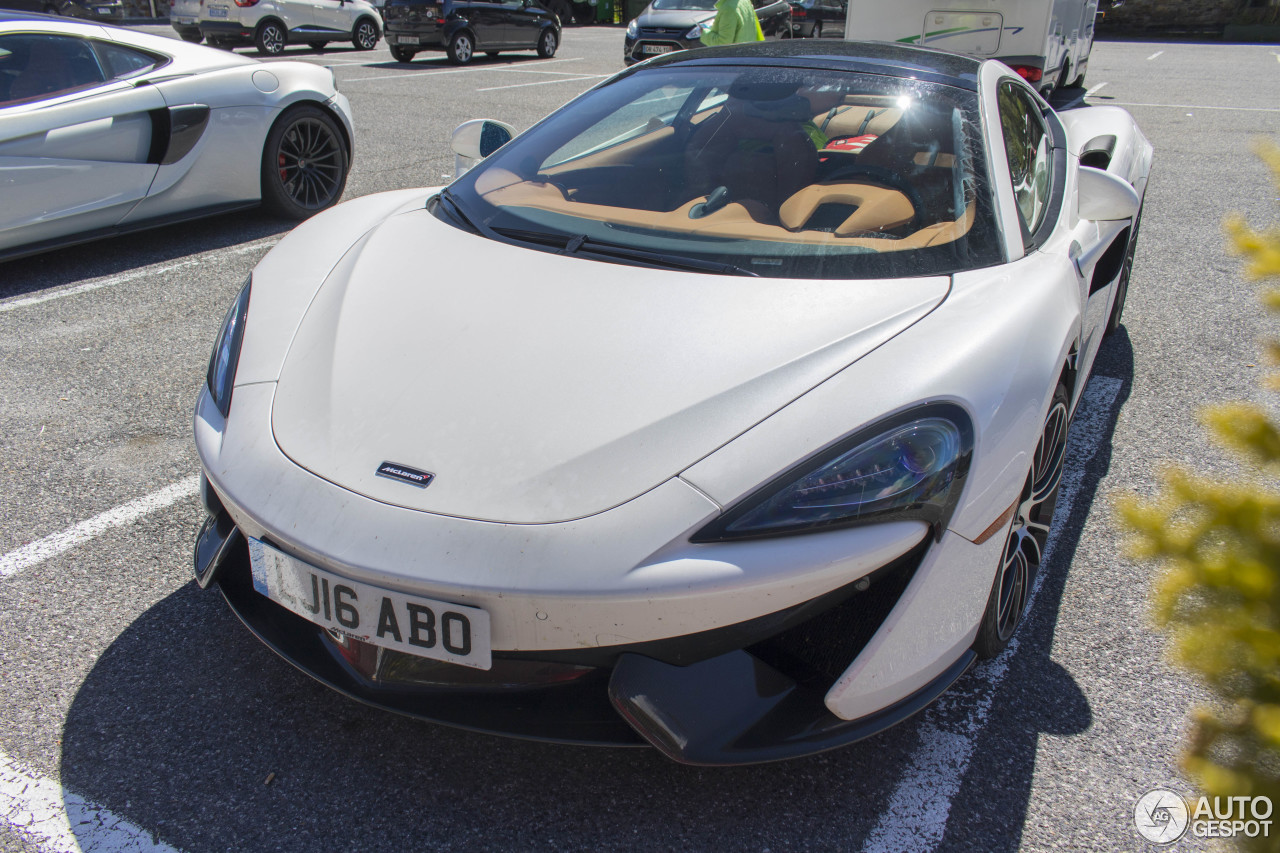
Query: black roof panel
{"x": 894, "y": 60}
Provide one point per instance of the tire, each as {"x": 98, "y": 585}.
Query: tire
{"x": 194, "y": 38}
{"x": 304, "y": 163}
{"x": 402, "y": 54}
{"x": 817, "y": 30}
{"x": 317, "y": 45}
{"x": 365, "y": 34}
{"x": 1122, "y": 283}
{"x": 547, "y": 43}
{"x": 461, "y": 49}
{"x": 271, "y": 38}
{"x": 1028, "y": 534}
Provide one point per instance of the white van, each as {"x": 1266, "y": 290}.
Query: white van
{"x": 1046, "y": 41}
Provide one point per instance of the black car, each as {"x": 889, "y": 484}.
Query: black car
{"x": 463, "y": 27}
{"x": 816, "y": 18}
{"x": 101, "y": 10}
{"x": 667, "y": 25}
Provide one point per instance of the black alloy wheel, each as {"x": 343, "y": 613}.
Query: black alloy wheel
{"x": 365, "y": 36}
{"x": 270, "y": 39}
{"x": 1028, "y": 535}
{"x": 1122, "y": 283}
{"x": 304, "y": 163}
{"x": 461, "y": 49}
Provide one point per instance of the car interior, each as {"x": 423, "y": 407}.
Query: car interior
{"x": 770, "y": 162}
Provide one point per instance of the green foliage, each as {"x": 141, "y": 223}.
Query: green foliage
{"x": 1220, "y": 596}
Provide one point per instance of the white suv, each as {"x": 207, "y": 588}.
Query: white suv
{"x": 271, "y": 24}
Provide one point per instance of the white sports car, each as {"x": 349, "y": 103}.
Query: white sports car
{"x": 729, "y": 418}
{"x": 106, "y": 130}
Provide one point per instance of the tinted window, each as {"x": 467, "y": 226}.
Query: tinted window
{"x": 123, "y": 61}
{"x": 34, "y": 67}
{"x": 782, "y": 173}
{"x": 1026, "y": 140}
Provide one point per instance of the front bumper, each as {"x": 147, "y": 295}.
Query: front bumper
{"x": 744, "y": 694}
{"x": 655, "y": 42}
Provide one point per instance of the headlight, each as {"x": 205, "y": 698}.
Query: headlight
{"x": 226, "y": 351}
{"x": 633, "y": 29}
{"x": 698, "y": 30}
{"x": 908, "y": 467}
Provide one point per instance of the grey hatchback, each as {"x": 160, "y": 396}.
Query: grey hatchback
{"x": 667, "y": 25}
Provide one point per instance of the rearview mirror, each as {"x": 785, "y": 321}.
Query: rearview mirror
{"x": 474, "y": 140}
{"x": 1105, "y": 197}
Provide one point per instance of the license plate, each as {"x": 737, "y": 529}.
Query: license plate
{"x": 407, "y": 623}
{"x": 184, "y": 21}
{"x": 405, "y": 39}
{"x": 217, "y": 11}
{"x": 656, "y": 48}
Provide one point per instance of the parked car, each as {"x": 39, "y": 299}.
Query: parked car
{"x": 105, "y": 130}
{"x": 271, "y": 25}
{"x": 184, "y": 17}
{"x": 816, "y": 18}
{"x": 463, "y": 28}
{"x": 101, "y": 10}
{"x": 730, "y": 420}
{"x": 669, "y": 25}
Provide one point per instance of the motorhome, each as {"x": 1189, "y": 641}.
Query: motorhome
{"x": 1046, "y": 41}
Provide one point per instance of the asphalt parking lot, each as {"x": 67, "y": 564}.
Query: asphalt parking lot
{"x": 138, "y": 714}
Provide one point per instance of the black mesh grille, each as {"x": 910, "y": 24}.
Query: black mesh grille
{"x": 818, "y": 651}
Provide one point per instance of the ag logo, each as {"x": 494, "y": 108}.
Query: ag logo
{"x": 1161, "y": 816}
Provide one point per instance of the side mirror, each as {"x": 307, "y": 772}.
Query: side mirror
{"x": 474, "y": 140}
{"x": 1104, "y": 197}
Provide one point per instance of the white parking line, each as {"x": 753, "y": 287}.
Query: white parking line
{"x": 1154, "y": 55}
{"x": 1095, "y": 89}
{"x": 47, "y": 815}
{"x": 24, "y": 301}
{"x": 915, "y": 819}
{"x": 471, "y": 69}
{"x": 56, "y": 543}
{"x": 545, "y": 82}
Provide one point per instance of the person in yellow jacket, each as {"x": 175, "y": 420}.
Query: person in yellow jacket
{"x": 735, "y": 22}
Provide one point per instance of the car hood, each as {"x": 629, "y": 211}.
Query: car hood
{"x": 674, "y": 17}
{"x": 541, "y": 388}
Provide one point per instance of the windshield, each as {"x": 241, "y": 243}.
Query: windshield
{"x": 788, "y": 173}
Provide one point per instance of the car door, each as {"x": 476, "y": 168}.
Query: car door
{"x": 488, "y": 20}
{"x": 75, "y": 139}
{"x": 332, "y": 17}
{"x": 524, "y": 22}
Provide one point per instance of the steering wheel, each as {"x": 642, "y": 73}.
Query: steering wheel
{"x": 881, "y": 175}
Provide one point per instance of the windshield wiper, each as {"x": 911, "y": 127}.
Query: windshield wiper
{"x": 453, "y": 209}
{"x": 584, "y": 245}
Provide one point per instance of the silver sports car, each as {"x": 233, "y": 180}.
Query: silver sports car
{"x": 729, "y": 417}
{"x": 105, "y": 130}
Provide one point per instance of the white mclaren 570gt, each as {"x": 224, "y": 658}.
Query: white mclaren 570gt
{"x": 106, "y": 130}
{"x": 729, "y": 417}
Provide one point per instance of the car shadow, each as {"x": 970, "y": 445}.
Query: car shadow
{"x": 1038, "y": 696}
{"x": 110, "y": 256}
{"x": 438, "y": 59}
{"x": 191, "y": 729}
